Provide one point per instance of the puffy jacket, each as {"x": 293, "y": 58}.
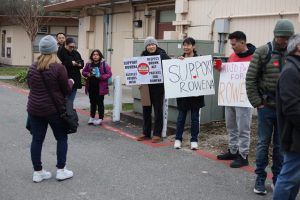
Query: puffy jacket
{"x": 288, "y": 105}
{"x": 261, "y": 83}
{"x": 103, "y": 83}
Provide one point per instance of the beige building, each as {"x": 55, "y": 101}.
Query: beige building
{"x": 16, "y": 46}
{"x": 112, "y": 25}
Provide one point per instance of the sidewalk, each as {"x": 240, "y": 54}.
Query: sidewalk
{"x": 82, "y": 100}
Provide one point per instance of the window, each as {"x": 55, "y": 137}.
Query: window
{"x": 3, "y": 43}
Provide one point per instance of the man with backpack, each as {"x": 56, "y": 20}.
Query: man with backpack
{"x": 261, "y": 81}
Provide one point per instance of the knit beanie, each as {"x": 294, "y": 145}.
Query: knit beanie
{"x": 283, "y": 28}
{"x": 48, "y": 45}
{"x": 150, "y": 40}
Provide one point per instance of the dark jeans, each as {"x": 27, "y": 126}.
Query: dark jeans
{"x": 267, "y": 127}
{"x": 194, "y": 124}
{"x": 39, "y": 127}
{"x": 71, "y": 97}
{"x": 157, "y": 103}
{"x": 97, "y": 102}
{"x": 288, "y": 181}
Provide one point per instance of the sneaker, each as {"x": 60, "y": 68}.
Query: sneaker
{"x": 260, "y": 187}
{"x": 177, "y": 144}
{"x": 227, "y": 156}
{"x": 239, "y": 162}
{"x": 97, "y": 122}
{"x": 194, "y": 145}
{"x": 63, "y": 174}
{"x": 38, "y": 176}
{"x": 143, "y": 137}
{"x": 91, "y": 121}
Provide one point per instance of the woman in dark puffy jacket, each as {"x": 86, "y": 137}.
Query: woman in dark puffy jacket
{"x": 184, "y": 104}
{"x": 73, "y": 62}
{"x": 157, "y": 94}
{"x": 42, "y": 110}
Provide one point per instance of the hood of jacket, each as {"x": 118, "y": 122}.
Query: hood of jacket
{"x": 250, "y": 51}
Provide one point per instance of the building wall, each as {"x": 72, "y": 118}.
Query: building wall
{"x": 259, "y": 30}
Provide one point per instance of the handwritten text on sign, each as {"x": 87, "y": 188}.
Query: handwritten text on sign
{"x": 143, "y": 70}
{"x": 188, "y": 77}
{"x": 232, "y": 85}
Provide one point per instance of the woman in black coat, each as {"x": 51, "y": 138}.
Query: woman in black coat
{"x": 73, "y": 62}
{"x": 185, "y": 104}
{"x": 157, "y": 94}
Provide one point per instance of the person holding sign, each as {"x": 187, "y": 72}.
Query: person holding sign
{"x": 185, "y": 104}
{"x": 238, "y": 119}
{"x": 97, "y": 73}
{"x": 156, "y": 93}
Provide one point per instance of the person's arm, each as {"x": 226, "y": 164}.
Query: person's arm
{"x": 289, "y": 95}
{"x": 64, "y": 84}
{"x": 86, "y": 70}
{"x": 108, "y": 74}
{"x": 253, "y": 78}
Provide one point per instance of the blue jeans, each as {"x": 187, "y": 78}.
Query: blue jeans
{"x": 267, "y": 127}
{"x": 71, "y": 97}
{"x": 288, "y": 181}
{"x": 194, "y": 124}
{"x": 39, "y": 127}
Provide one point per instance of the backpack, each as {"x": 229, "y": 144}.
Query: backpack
{"x": 104, "y": 69}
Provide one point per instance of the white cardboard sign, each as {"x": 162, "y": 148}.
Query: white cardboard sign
{"x": 188, "y": 77}
{"x": 232, "y": 85}
{"x": 143, "y": 70}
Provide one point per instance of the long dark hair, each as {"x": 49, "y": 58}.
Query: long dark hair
{"x": 99, "y": 52}
{"x": 190, "y": 40}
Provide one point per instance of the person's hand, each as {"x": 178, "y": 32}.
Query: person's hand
{"x": 261, "y": 106}
{"x": 217, "y": 64}
{"x": 74, "y": 63}
{"x": 71, "y": 80}
{"x": 181, "y": 57}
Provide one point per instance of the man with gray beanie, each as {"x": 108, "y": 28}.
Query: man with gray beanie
{"x": 261, "y": 81}
{"x": 288, "y": 115}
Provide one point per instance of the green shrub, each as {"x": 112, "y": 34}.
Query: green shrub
{"x": 22, "y": 77}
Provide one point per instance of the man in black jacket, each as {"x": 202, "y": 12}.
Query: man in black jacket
{"x": 288, "y": 115}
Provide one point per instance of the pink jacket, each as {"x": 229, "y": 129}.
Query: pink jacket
{"x": 103, "y": 85}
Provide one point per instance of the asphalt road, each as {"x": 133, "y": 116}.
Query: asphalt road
{"x": 109, "y": 166}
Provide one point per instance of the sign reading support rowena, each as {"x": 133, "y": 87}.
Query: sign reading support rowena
{"x": 188, "y": 77}
{"x": 232, "y": 85}
{"x": 143, "y": 70}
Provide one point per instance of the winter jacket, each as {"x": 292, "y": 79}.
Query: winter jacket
{"x": 190, "y": 103}
{"x": 103, "y": 83}
{"x": 261, "y": 81}
{"x": 39, "y": 102}
{"x": 157, "y": 88}
{"x": 288, "y": 105}
{"x": 66, "y": 58}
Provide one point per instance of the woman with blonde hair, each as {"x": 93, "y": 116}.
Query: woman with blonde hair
{"x": 42, "y": 109}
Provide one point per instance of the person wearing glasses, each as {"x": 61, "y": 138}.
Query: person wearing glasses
{"x": 73, "y": 62}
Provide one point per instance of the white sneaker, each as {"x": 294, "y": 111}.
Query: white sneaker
{"x": 38, "y": 176}
{"x": 63, "y": 174}
{"x": 194, "y": 145}
{"x": 177, "y": 144}
{"x": 97, "y": 122}
{"x": 91, "y": 121}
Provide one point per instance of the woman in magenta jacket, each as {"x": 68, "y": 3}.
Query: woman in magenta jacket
{"x": 97, "y": 73}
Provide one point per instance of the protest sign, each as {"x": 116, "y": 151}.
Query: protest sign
{"x": 143, "y": 70}
{"x": 188, "y": 77}
{"x": 232, "y": 85}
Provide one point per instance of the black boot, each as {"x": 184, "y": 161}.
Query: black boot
{"x": 239, "y": 162}
{"x": 227, "y": 156}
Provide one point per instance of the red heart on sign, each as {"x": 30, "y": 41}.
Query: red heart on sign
{"x": 194, "y": 76}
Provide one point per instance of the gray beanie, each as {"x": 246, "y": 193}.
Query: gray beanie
{"x": 48, "y": 45}
{"x": 283, "y": 28}
{"x": 150, "y": 40}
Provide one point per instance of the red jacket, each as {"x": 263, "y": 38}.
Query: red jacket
{"x": 103, "y": 83}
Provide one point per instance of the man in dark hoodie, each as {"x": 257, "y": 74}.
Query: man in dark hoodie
{"x": 157, "y": 94}
{"x": 238, "y": 119}
{"x": 288, "y": 115}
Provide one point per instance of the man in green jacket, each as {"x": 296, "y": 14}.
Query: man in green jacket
{"x": 261, "y": 81}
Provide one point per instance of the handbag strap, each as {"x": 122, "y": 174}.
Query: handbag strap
{"x": 49, "y": 92}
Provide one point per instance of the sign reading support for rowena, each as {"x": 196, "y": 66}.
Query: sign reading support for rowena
{"x": 143, "y": 70}
{"x": 232, "y": 85}
{"x": 188, "y": 77}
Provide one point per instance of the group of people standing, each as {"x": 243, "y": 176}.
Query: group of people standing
{"x": 276, "y": 98}
{"x": 53, "y": 82}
